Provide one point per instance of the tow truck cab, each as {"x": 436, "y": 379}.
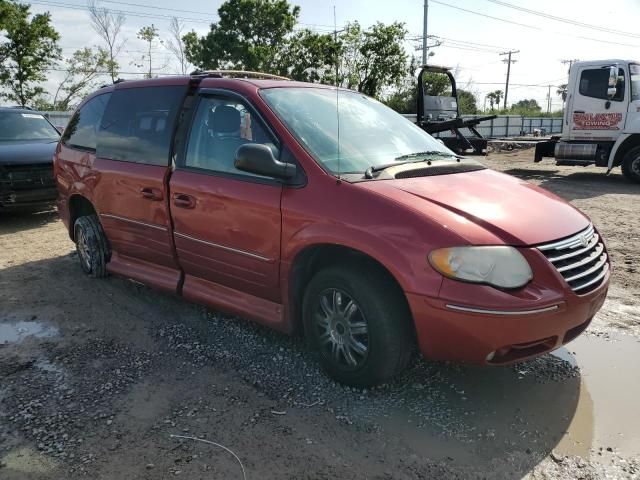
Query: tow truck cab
{"x": 601, "y": 123}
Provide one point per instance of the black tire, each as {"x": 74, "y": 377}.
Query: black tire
{"x": 390, "y": 336}
{"x": 91, "y": 246}
{"x": 631, "y": 165}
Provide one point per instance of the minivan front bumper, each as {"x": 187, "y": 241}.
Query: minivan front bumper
{"x": 451, "y": 330}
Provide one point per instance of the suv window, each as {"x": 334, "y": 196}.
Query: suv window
{"x": 220, "y": 126}
{"x": 138, "y": 124}
{"x": 83, "y": 126}
{"x": 595, "y": 82}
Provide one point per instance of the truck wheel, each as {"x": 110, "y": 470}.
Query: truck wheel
{"x": 359, "y": 326}
{"x": 631, "y": 165}
{"x": 91, "y": 245}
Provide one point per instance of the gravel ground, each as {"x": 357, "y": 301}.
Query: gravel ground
{"x": 97, "y": 375}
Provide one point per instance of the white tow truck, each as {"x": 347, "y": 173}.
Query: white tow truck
{"x": 601, "y": 124}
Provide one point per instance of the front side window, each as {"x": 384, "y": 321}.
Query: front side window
{"x": 26, "y": 127}
{"x": 595, "y": 82}
{"x": 138, "y": 124}
{"x": 83, "y": 127}
{"x": 369, "y": 133}
{"x": 221, "y": 125}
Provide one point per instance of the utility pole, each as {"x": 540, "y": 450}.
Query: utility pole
{"x": 570, "y": 62}
{"x": 549, "y": 100}
{"x": 424, "y": 32}
{"x": 508, "y": 61}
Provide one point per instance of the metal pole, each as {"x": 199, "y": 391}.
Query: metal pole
{"x": 424, "y": 32}
{"x": 549, "y": 100}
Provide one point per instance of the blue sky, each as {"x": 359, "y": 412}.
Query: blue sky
{"x": 543, "y": 43}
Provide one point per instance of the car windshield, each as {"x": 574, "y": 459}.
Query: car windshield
{"x": 370, "y": 134}
{"x": 635, "y": 81}
{"x": 24, "y": 126}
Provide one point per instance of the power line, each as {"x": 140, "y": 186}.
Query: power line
{"x": 565, "y": 20}
{"x": 534, "y": 27}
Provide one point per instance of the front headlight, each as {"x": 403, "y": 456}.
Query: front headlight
{"x": 502, "y": 267}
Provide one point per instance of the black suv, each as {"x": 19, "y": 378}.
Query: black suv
{"x": 27, "y": 144}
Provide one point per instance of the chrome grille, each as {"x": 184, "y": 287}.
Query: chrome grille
{"x": 580, "y": 259}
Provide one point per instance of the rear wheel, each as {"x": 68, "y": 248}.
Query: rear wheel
{"x": 631, "y": 165}
{"x": 358, "y": 324}
{"x": 91, "y": 246}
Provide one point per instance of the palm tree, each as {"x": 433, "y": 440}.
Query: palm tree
{"x": 494, "y": 98}
{"x": 562, "y": 91}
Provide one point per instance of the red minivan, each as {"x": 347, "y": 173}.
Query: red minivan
{"x": 312, "y": 209}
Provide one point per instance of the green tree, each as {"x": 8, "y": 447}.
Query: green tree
{"x": 250, "y": 35}
{"x": 494, "y": 98}
{"x": 436, "y": 84}
{"x": 151, "y": 37}
{"x": 82, "y": 72}
{"x": 373, "y": 59}
{"x": 531, "y": 104}
{"x": 562, "y": 91}
{"x": 404, "y": 98}
{"x": 466, "y": 102}
{"x": 28, "y": 47}
{"x": 310, "y": 57}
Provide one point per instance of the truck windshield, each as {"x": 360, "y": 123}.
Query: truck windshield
{"x": 635, "y": 81}
{"x": 22, "y": 126}
{"x": 370, "y": 134}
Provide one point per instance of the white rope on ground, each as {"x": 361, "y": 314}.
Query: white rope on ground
{"x": 195, "y": 439}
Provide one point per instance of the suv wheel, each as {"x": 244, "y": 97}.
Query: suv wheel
{"x": 631, "y": 165}
{"x": 91, "y": 245}
{"x": 358, "y": 325}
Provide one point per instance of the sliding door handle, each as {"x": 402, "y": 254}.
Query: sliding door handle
{"x": 183, "y": 200}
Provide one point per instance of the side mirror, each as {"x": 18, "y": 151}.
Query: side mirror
{"x": 613, "y": 81}
{"x": 257, "y": 158}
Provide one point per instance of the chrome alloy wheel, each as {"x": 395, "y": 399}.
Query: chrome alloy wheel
{"x": 342, "y": 329}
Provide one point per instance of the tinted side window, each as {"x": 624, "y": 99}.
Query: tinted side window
{"x": 138, "y": 124}
{"x": 595, "y": 82}
{"x": 83, "y": 126}
{"x": 221, "y": 125}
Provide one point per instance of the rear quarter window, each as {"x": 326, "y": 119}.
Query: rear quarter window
{"x": 82, "y": 130}
{"x": 138, "y": 124}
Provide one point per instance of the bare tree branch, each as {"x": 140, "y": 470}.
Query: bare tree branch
{"x": 176, "y": 45}
{"x": 108, "y": 25}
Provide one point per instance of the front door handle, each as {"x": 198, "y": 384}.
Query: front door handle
{"x": 151, "y": 193}
{"x": 183, "y": 200}
{"x": 578, "y": 111}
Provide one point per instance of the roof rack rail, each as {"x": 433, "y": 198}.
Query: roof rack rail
{"x": 237, "y": 74}
{"x": 119, "y": 80}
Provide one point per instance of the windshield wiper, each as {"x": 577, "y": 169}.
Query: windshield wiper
{"x": 438, "y": 153}
{"x": 377, "y": 168}
{"x": 403, "y": 159}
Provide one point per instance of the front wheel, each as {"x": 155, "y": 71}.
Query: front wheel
{"x": 631, "y": 165}
{"x": 91, "y": 246}
{"x": 359, "y": 325}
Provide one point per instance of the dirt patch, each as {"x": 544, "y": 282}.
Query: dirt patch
{"x": 96, "y": 375}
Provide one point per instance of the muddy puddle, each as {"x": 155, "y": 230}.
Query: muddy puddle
{"x": 14, "y": 332}
{"x": 576, "y": 401}
{"x": 609, "y": 392}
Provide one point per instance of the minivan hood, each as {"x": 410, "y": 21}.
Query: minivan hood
{"x": 27, "y": 153}
{"x": 485, "y": 207}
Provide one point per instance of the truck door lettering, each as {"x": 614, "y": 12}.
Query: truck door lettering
{"x": 596, "y": 121}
